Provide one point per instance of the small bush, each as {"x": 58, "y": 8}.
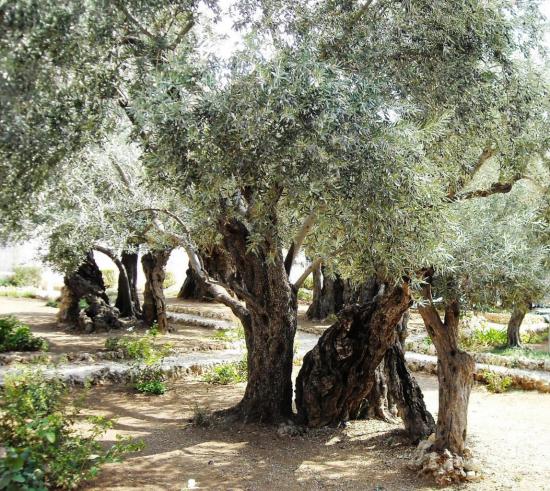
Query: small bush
{"x": 16, "y": 336}
{"x": 496, "y": 382}
{"x": 26, "y": 276}
{"x": 140, "y": 348}
{"x": 110, "y": 278}
{"x": 308, "y": 283}
{"x": 481, "y": 339}
{"x": 169, "y": 280}
{"x": 227, "y": 373}
{"x": 6, "y": 282}
{"x": 52, "y": 303}
{"x": 43, "y": 449}
{"x": 150, "y": 380}
{"x": 83, "y": 304}
{"x": 305, "y": 295}
{"x": 535, "y": 337}
{"x": 229, "y": 335}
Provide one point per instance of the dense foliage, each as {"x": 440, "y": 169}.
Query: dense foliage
{"x": 16, "y": 336}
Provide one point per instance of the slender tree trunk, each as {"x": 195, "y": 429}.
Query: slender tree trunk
{"x": 269, "y": 324}
{"x": 518, "y": 314}
{"x": 127, "y": 300}
{"x": 340, "y": 371}
{"x": 455, "y": 374}
{"x": 154, "y": 303}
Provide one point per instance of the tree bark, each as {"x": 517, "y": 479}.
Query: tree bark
{"x": 455, "y": 375}
{"x": 193, "y": 288}
{"x": 518, "y": 314}
{"x": 87, "y": 283}
{"x": 154, "y": 303}
{"x": 339, "y": 372}
{"x": 127, "y": 300}
{"x": 269, "y": 322}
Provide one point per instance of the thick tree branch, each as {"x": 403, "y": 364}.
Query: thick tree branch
{"x": 495, "y": 188}
{"x": 133, "y": 19}
{"x": 314, "y": 264}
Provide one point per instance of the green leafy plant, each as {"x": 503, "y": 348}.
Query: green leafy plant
{"x": 305, "y": 295}
{"x": 17, "y": 292}
{"x": 481, "y": 339}
{"x": 201, "y": 417}
{"x": 26, "y": 276}
{"x": 227, "y": 373}
{"x": 83, "y": 304}
{"x": 150, "y": 380}
{"x": 52, "y": 303}
{"x": 229, "y": 335}
{"x": 169, "y": 280}
{"x": 43, "y": 448}
{"x": 110, "y": 277}
{"x": 16, "y": 336}
{"x": 308, "y": 283}
{"x": 496, "y": 382}
{"x": 140, "y": 348}
{"x": 535, "y": 337}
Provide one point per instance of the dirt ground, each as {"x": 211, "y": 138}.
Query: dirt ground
{"x": 509, "y": 433}
{"x": 42, "y": 320}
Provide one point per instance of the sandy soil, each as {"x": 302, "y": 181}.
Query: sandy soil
{"x": 509, "y": 433}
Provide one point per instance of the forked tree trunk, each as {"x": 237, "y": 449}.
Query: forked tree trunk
{"x": 514, "y": 324}
{"x": 154, "y": 303}
{"x": 269, "y": 325}
{"x": 339, "y": 372}
{"x": 127, "y": 300}
{"x": 455, "y": 375}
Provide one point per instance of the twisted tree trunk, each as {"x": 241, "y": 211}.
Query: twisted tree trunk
{"x": 154, "y": 303}
{"x": 514, "y": 324}
{"x": 455, "y": 374}
{"x": 269, "y": 322}
{"x": 340, "y": 371}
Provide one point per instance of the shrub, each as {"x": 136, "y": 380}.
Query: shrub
{"x": 228, "y": 373}
{"x": 535, "y": 337}
{"x": 305, "y": 295}
{"x": 229, "y": 335}
{"x": 484, "y": 338}
{"x": 110, "y": 278}
{"x": 83, "y": 304}
{"x": 52, "y": 303}
{"x": 43, "y": 449}
{"x": 26, "y": 276}
{"x": 6, "y": 282}
{"x": 201, "y": 417}
{"x": 16, "y": 336}
{"x": 140, "y": 348}
{"x": 150, "y": 380}
{"x": 169, "y": 280}
{"x": 496, "y": 382}
{"x": 308, "y": 283}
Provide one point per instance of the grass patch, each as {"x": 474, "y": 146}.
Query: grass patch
{"x": 484, "y": 339}
{"x": 535, "y": 337}
{"x": 521, "y": 353}
{"x": 16, "y": 292}
{"x": 227, "y": 373}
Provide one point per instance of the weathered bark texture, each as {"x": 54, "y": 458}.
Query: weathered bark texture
{"x": 127, "y": 300}
{"x": 269, "y": 322}
{"x": 395, "y": 391}
{"x": 87, "y": 283}
{"x": 455, "y": 374}
{"x": 518, "y": 314}
{"x": 154, "y": 303}
{"x": 218, "y": 265}
{"x": 339, "y": 372}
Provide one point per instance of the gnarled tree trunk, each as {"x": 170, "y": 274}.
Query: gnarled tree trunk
{"x": 154, "y": 303}
{"x": 338, "y": 374}
{"x": 87, "y": 283}
{"x": 269, "y": 322}
{"x": 127, "y": 300}
{"x": 193, "y": 288}
{"x": 514, "y": 324}
{"x": 455, "y": 375}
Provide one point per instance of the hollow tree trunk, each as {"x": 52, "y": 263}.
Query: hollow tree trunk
{"x": 154, "y": 303}
{"x": 518, "y": 314}
{"x": 269, "y": 325}
{"x": 87, "y": 283}
{"x": 455, "y": 375}
{"x": 339, "y": 372}
{"x": 192, "y": 288}
{"x": 127, "y": 300}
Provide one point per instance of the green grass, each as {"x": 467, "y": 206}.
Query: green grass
{"x": 17, "y": 292}
{"x": 229, "y": 335}
{"x": 484, "y": 339}
{"x": 227, "y": 373}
